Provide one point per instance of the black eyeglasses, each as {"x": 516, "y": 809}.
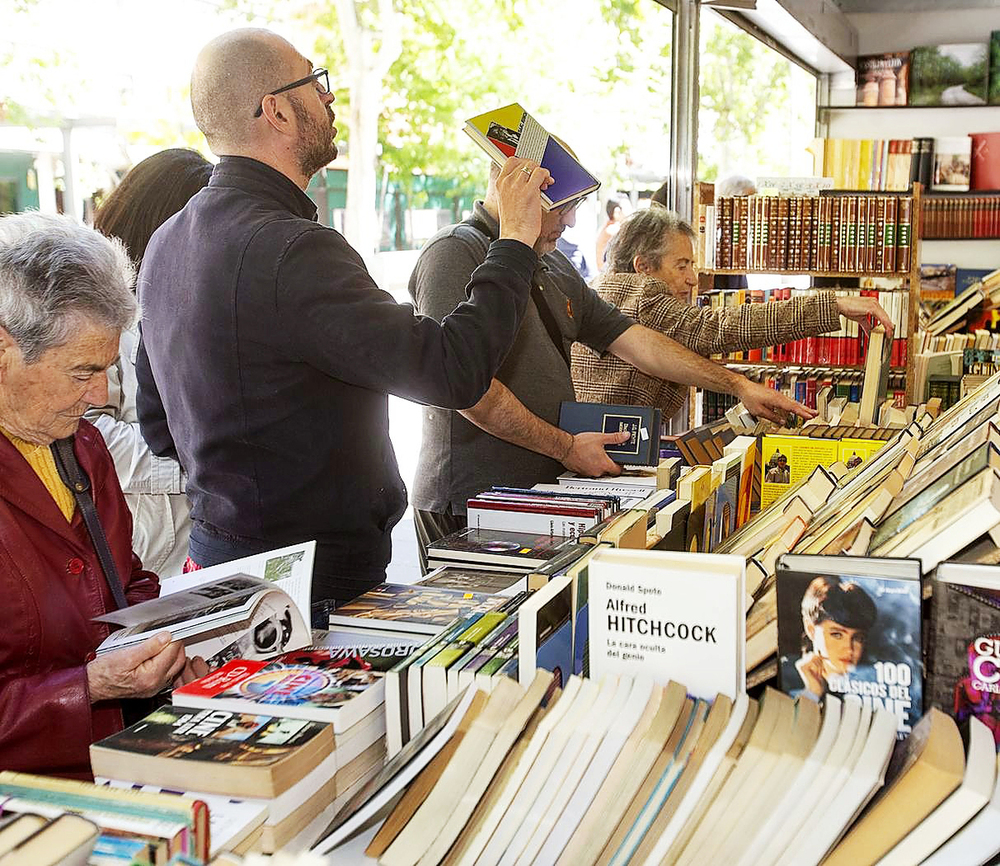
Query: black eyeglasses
{"x": 320, "y": 76}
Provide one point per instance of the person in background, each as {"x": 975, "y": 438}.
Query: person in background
{"x": 577, "y": 259}
{"x": 510, "y": 436}
{"x": 268, "y": 352}
{"x": 650, "y": 277}
{"x": 65, "y": 297}
{"x": 660, "y": 195}
{"x": 617, "y": 208}
{"x": 152, "y": 191}
{"x": 735, "y": 184}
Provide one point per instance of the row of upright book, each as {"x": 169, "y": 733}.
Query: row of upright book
{"x": 863, "y": 234}
{"x": 841, "y": 348}
{"x": 960, "y": 217}
{"x": 624, "y": 771}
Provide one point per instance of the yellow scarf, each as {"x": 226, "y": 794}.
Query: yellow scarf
{"x": 40, "y": 459}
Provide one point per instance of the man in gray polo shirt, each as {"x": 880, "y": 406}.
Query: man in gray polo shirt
{"x": 509, "y": 437}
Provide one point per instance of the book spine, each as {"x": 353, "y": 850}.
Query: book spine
{"x": 903, "y": 234}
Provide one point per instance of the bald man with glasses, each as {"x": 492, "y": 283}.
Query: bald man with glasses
{"x": 510, "y": 436}
{"x": 267, "y": 350}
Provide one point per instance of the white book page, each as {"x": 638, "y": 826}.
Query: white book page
{"x": 820, "y": 794}
{"x": 572, "y": 764}
{"x": 509, "y": 834}
{"x": 778, "y": 826}
{"x": 978, "y": 841}
{"x": 560, "y": 827}
{"x": 701, "y": 781}
{"x": 289, "y": 568}
{"x": 960, "y": 807}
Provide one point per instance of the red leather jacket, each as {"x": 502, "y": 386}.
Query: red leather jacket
{"x": 51, "y": 584}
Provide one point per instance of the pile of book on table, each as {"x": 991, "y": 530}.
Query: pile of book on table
{"x": 931, "y": 493}
{"x": 287, "y": 736}
{"x": 620, "y": 770}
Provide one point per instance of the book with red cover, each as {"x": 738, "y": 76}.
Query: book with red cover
{"x": 340, "y": 685}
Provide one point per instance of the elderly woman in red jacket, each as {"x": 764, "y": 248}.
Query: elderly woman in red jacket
{"x": 64, "y": 299}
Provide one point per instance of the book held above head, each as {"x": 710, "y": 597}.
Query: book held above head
{"x": 511, "y": 131}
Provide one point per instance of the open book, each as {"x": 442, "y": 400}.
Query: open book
{"x": 511, "y": 131}
{"x": 235, "y": 617}
{"x": 235, "y": 614}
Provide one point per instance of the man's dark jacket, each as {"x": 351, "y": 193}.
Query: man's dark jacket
{"x": 267, "y": 354}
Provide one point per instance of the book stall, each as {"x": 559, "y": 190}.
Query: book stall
{"x": 685, "y": 677}
{"x": 759, "y": 645}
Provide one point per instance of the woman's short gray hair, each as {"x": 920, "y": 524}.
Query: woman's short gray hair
{"x": 55, "y": 273}
{"x": 642, "y": 234}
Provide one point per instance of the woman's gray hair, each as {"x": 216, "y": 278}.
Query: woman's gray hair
{"x": 55, "y": 273}
{"x": 642, "y": 234}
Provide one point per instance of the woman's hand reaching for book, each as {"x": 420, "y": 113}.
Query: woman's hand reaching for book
{"x": 763, "y": 402}
{"x": 137, "y": 672}
{"x": 859, "y": 309}
{"x": 518, "y": 199}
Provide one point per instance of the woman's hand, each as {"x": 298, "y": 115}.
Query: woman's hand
{"x": 137, "y": 672}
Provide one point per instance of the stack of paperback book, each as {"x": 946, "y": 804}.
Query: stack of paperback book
{"x": 139, "y": 826}
{"x": 622, "y": 771}
{"x": 290, "y": 736}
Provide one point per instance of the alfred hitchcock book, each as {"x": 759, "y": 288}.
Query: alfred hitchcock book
{"x": 511, "y": 131}
{"x": 963, "y": 643}
{"x": 850, "y": 625}
{"x": 642, "y": 423}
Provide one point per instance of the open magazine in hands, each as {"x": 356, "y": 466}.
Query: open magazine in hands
{"x": 251, "y": 608}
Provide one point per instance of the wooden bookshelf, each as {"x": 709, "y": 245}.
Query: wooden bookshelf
{"x": 705, "y": 195}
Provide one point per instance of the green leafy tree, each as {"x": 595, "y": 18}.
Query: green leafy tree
{"x": 744, "y": 88}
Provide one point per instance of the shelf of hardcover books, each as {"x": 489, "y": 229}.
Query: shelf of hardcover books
{"x": 849, "y": 241}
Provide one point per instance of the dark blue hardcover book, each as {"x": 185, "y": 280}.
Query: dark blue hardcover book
{"x": 643, "y": 423}
{"x": 966, "y": 278}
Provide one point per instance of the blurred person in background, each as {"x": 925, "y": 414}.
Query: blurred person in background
{"x": 616, "y": 208}
{"x": 153, "y": 191}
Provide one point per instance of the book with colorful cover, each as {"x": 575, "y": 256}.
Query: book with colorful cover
{"x": 337, "y": 684}
{"x": 955, "y": 74}
{"x": 497, "y": 547}
{"x": 114, "y": 810}
{"x": 511, "y": 131}
{"x": 963, "y": 643}
{"x": 214, "y": 751}
{"x": 414, "y": 609}
{"x": 475, "y": 580}
{"x": 882, "y": 79}
{"x": 851, "y": 625}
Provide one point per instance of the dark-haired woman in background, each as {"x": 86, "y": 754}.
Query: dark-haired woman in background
{"x": 152, "y": 192}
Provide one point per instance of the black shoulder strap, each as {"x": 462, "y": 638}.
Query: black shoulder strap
{"x": 76, "y": 480}
{"x": 544, "y": 311}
